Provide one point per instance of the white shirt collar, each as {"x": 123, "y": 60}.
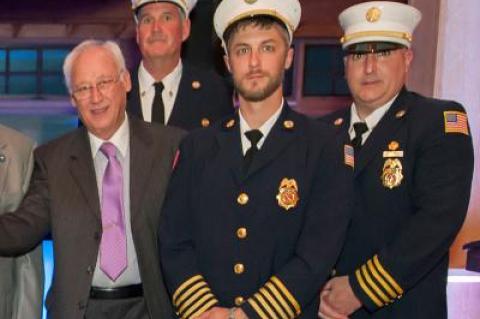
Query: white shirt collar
{"x": 265, "y": 128}
{"x": 170, "y": 82}
{"x": 120, "y": 139}
{"x": 371, "y": 120}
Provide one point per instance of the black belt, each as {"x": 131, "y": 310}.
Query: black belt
{"x": 116, "y": 293}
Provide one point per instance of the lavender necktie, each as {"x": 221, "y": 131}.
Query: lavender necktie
{"x": 113, "y": 246}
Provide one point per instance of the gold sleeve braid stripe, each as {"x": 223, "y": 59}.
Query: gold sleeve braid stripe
{"x": 266, "y": 306}
{"x": 287, "y": 293}
{"x": 277, "y": 295}
{"x": 387, "y": 276}
{"x": 377, "y": 283}
{"x": 257, "y": 308}
{"x": 198, "y": 287}
{"x": 372, "y": 284}
{"x": 271, "y": 300}
{"x": 382, "y": 282}
{"x": 193, "y": 297}
{"x": 200, "y": 303}
{"x": 367, "y": 290}
{"x": 275, "y": 301}
{"x": 188, "y": 282}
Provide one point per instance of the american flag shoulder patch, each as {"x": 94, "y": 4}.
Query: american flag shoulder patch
{"x": 348, "y": 154}
{"x": 456, "y": 122}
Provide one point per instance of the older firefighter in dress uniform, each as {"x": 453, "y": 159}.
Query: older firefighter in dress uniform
{"x": 412, "y": 176}
{"x": 259, "y": 204}
{"x": 165, "y": 88}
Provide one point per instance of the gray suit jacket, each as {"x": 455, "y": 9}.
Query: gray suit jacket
{"x": 63, "y": 200}
{"x": 21, "y": 278}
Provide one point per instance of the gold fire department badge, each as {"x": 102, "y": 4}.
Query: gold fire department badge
{"x": 392, "y": 173}
{"x": 287, "y": 196}
{"x": 373, "y": 14}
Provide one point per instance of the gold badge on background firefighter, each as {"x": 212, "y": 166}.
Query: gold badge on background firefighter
{"x": 373, "y": 14}
{"x": 392, "y": 173}
{"x": 287, "y": 196}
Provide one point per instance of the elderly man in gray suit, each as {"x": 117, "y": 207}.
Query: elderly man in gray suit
{"x": 21, "y": 278}
{"x": 99, "y": 192}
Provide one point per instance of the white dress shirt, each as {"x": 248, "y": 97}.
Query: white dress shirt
{"x": 371, "y": 120}
{"x": 121, "y": 140}
{"x": 265, "y": 129}
{"x": 171, "y": 82}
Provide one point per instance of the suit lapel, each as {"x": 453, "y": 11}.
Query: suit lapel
{"x": 230, "y": 147}
{"x": 277, "y": 140}
{"x": 134, "y": 106}
{"x": 83, "y": 171}
{"x": 142, "y": 159}
{"x": 342, "y": 123}
{"x": 382, "y": 133}
{"x": 180, "y": 111}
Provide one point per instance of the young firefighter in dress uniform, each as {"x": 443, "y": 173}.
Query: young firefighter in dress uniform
{"x": 412, "y": 176}
{"x": 259, "y": 204}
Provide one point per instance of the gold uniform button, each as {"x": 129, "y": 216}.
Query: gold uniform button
{"x": 288, "y": 124}
{"x": 196, "y": 85}
{"x": 230, "y": 123}
{"x": 239, "y": 269}
{"x": 242, "y": 199}
{"x": 338, "y": 121}
{"x": 400, "y": 114}
{"x": 239, "y": 301}
{"x": 242, "y": 233}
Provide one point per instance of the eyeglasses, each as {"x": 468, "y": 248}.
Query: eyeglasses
{"x": 84, "y": 92}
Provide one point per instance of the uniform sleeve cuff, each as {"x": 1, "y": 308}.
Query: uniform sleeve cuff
{"x": 272, "y": 301}
{"x": 374, "y": 285}
{"x": 193, "y": 297}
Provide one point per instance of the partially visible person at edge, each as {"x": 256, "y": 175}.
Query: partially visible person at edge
{"x": 259, "y": 203}
{"x": 413, "y": 171}
{"x": 21, "y": 277}
{"x": 98, "y": 190}
{"x": 166, "y": 89}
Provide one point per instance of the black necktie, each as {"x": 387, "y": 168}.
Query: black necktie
{"x": 158, "y": 109}
{"x": 359, "y": 128}
{"x": 253, "y": 136}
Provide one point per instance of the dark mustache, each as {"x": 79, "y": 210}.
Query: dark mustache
{"x": 256, "y": 73}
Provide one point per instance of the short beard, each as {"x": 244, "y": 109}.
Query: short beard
{"x": 260, "y": 94}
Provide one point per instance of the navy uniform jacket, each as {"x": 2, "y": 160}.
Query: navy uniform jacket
{"x": 397, "y": 248}
{"x": 203, "y": 97}
{"x": 226, "y": 240}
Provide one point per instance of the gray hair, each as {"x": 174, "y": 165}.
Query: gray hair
{"x": 87, "y": 44}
